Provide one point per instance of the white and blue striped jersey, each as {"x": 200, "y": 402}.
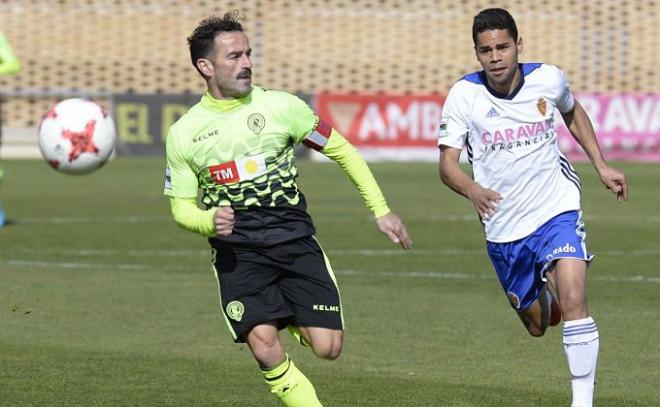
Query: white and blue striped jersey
{"x": 511, "y": 144}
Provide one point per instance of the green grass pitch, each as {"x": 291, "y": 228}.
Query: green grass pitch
{"x": 104, "y": 301}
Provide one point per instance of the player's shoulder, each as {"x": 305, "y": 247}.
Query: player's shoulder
{"x": 467, "y": 86}
{"x": 471, "y": 81}
{"x": 189, "y": 121}
{"x": 540, "y": 71}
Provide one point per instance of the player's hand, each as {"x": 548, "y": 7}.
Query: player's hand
{"x": 485, "y": 200}
{"x": 391, "y": 225}
{"x": 224, "y": 220}
{"x": 615, "y": 181}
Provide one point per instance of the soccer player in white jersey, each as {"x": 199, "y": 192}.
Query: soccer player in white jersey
{"x": 235, "y": 151}
{"x": 526, "y": 193}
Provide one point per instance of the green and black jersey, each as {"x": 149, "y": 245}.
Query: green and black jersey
{"x": 240, "y": 153}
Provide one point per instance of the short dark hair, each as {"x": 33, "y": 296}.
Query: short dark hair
{"x": 200, "y": 41}
{"x": 494, "y": 19}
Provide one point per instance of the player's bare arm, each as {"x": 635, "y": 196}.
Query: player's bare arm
{"x": 223, "y": 220}
{"x": 485, "y": 200}
{"x": 580, "y": 126}
{"x": 391, "y": 225}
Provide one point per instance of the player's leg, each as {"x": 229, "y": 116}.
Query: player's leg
{"x": 312, "y": 293}
{"x": 545, "y": 311}
{"x": 325, "y": 343}
{"x": 285, "y": 381}
{"x": 265, "y": 344}
{"x": 581, "y": 339}
{"x": 554, "y": 308}
{"x": 565, "y": 248}
{"x": 522, "y": 281}
{"x": 536, "y": 318}
{"x": 254, "y": 310}
{"x": 298, "y": 336}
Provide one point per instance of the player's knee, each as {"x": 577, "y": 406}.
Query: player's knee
{"x": 329, "y": 348}
{"x": 573, "y": 306}
{"x": 535, "y": 329}
{"x": 533, "y": 321}
{"x": 331, "y": 352}
{"x": 265, "y": 346}
{"x": 536, "y": 332}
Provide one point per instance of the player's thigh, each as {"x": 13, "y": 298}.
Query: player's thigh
{"x": 309, "y": 286}
{"x": 565, "y": 257}
{"x": 571, "y": 280}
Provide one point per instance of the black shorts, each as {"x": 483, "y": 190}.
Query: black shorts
{"x": 287, "y": 283}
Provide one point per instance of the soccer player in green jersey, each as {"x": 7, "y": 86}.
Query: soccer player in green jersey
{"x": 234, "y": 153}
{"x": 9, "y": 65}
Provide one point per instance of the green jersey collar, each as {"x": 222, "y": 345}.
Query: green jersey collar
{"x": 224, "y": 105}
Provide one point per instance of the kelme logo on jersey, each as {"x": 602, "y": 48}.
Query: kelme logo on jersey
{"x": 245, "y": 168}
{"x": 323, "y": 307}
{"x": 235, "y": 310}
{"x": 256, "y": 122}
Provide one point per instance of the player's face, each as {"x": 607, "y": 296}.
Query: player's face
{"x": 230, "y": 66}
{"x": 497, "y": 53}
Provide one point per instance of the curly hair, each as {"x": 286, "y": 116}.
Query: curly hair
{"x": 201, "y": 40}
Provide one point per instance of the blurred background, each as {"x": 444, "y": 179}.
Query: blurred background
{"x": 350, "y": 59}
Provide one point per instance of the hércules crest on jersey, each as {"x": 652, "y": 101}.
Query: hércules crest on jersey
{"x": 541, "y": 105}
{"x": 256, "y": 122}
{"x": 235, "y": 310}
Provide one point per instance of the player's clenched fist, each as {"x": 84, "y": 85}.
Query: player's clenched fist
{"x": 224, "y": 220}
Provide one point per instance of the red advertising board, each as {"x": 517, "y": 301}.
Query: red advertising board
{"x": 388, "y": 127}
{"x": 404, "y": 127}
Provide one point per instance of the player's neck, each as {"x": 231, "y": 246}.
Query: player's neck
{"x": 219, "y": 94}
{"x": 223, "y": 105}
{"x": 509, "y": 87}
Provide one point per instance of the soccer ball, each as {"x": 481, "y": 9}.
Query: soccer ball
{"x": 76, "y": 136}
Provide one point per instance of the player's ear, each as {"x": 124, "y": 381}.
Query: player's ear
{"x": 205, "y": 67}
{"x": 519, "y": 45}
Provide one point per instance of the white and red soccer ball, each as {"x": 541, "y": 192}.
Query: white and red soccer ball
{"x": 76, "y": 136}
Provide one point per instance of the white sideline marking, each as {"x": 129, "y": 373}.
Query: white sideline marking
{"x": 472, "y": 218}
{"x": 346, "y": 272}
{"x": 331, "y": 252}
{"x": 331, "y": 218}
{"x": 90, "y": 219}
{"x": 472, "y": 276}
{"x": 68, "y": 265}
